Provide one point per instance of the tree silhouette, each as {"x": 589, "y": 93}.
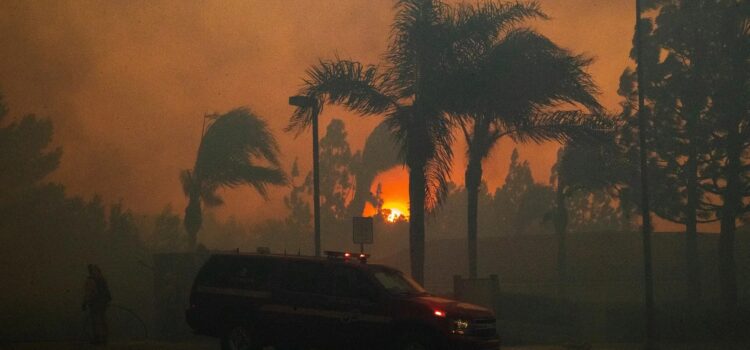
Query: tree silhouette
{"x": 25, "y": 157}
{"x": 695, "y": 56}
{"x": 299, "y": 210}
{"x": 291, "y": 233}
{"x": 229, "y": 155}
{"x": 337, "y": 178}
{"x": 678, "y": 95}
{"x": 728, "y": 23}
{"x": 379, "y": 154}
{"x": 414, "y": 92}
{"x": 512, "y": 88}
{"x": 167, "y": 234}
{"x": 520, "y": 202}
{"x": 585, "y": 169}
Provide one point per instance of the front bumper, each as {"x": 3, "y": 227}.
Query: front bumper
{"x": 465, "y": 342}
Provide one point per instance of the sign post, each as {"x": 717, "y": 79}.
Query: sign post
{"x": 362, "y": 231}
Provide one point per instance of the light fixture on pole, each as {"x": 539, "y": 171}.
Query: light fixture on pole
{"x": 309, "y": 102}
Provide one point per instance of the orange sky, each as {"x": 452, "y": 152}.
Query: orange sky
{"x": 127, "y": 83}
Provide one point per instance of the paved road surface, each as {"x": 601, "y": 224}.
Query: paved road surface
{"x": 212, "y": 345}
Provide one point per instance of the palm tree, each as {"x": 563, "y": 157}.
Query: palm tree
{"x": 414, "y": 92}
{"x": 523, "y": 77}
{"x": 228, "y": 156}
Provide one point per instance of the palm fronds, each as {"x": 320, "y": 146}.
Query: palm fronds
{"x": 560, "y": 126}
{"x": 227, "y": 157}
{"x": 361, "y": 88}
{"x": 421, "y": 38}
{"x": 526, "y": 71}
{"x": 440, "y": 159}
{"x": 232, "y": 140}
{"x": 482, "y": 23}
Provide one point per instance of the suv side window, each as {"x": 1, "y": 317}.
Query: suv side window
{"x": 239, "y": 272}
{"x": 350, "y": 283}
{"x": 250, "y": 273}
{"x": 304, "y": 277}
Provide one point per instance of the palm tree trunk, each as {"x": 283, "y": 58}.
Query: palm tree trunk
{"x": 473, "y": 180}
{"x": 732, "y": 202}
{"x": 417, "y": 194}
{"x": 561, "y": 228}
{"x": 193, "y": 219}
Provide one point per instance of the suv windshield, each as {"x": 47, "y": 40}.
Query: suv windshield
{"x": 396, "y": 282}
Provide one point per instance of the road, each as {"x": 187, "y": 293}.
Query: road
{"x": 154, "y": 345}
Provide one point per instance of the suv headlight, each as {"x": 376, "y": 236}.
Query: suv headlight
{"x": 459, "y": 326}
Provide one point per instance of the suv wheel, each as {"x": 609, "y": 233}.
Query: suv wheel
{"x": 238, "y": 338}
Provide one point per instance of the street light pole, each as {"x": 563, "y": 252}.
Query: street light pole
{"x": 316, "y": 180}
{"x": 307, "y": 101}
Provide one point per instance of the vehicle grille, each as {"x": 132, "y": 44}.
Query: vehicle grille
{"x": 483, "y": 328}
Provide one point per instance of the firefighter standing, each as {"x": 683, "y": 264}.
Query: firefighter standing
{"x": 96, "y": 299}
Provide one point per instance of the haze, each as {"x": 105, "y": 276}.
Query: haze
{"x": 127, "y": 83}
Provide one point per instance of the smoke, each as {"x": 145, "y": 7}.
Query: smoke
{"x": 127, "y": 83}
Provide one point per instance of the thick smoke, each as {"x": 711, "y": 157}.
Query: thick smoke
{"x": 127, "y": 83}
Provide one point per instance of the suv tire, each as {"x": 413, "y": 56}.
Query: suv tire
{"x": 239, "y": 338}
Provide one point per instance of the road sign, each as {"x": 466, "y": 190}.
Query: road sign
{"x": 362, "y": 230}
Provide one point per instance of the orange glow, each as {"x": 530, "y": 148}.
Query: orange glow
{"x": 439, "y": 313}
{"x": 395, "y": 194}
{"x": 369, "y": 210}
{"x": 394, "y": 215}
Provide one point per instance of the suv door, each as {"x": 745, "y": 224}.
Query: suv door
{"x": 229, "y": 290}
{"x": 302, "y": 305}
{"x": 362, "y": 317}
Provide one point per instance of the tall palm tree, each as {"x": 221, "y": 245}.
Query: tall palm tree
{"x": 414, "y": 92}
{"x": 523, "y": 78}
{"x": 232, "y": 152}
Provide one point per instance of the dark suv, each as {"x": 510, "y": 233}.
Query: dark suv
{"x": 255, "y": 300}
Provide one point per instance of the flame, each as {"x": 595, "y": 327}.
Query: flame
{"x": 395, "y": 211}
{"x": 394, "y": 215}
{"x": 394, "y": 193}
